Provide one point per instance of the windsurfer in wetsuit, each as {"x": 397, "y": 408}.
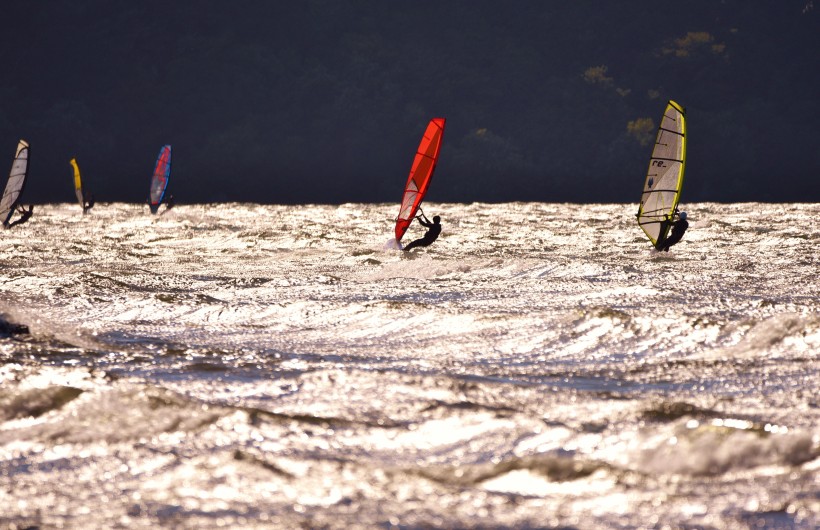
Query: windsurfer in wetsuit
{"x": 24, "y": 215}
{"x": 88, "y": 202}
{"x": 678, "y": 229}
{"x": 168, "y": 202}
{"x": 433, "y": 231}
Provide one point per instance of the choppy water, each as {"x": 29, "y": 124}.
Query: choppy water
{"x": 269, "y": 366}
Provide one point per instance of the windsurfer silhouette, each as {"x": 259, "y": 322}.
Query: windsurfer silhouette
{"x": 168, "y": 202}
{"x": 678, "y": 229}
{"x": 433, "y": 231}
{"x": 24, "y": 215}
{"x": 88, "y": 202}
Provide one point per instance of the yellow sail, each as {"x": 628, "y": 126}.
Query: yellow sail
{"x": 78, "y": 182}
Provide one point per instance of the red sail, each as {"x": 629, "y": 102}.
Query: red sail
{"x": 159, "y": 180}
{"x": 420, "y": 175}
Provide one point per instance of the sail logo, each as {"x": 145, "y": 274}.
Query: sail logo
{"x": 650, "y": 182}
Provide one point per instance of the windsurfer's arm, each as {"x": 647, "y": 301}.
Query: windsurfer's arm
{"x": 425, "y": 222}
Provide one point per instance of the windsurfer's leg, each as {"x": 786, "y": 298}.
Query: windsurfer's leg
{"x": 16, "y": 222}
{"x": 673, "y": 240}
{"x": 663, "y": 244}
{"x": 664, "y": 231}
{"x": 419, "y": 243}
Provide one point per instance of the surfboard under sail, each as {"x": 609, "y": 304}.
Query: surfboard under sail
{"x": 421, "y": 173}
{"x": 78, "y": 183}
{"x": 664, "y": 179}
{"x": 159, "y": 181}
{"x": 16, "y": 182}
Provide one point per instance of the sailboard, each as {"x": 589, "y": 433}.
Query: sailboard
{"x": 421, "y": 172}
{"x": 159, "y": 180}
{"x": 16, "y": 182}
{"x": 664, "y": 178}
{"x": 78, "y": 183}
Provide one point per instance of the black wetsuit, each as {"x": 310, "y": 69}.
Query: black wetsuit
{"x": 434, "y": 229}
{"x": 24, "y": 215}
{"x": 678, "y": 229}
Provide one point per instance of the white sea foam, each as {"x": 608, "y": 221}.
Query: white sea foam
{"x": 539, "y": 365}
{"x": 714, "y": 447}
